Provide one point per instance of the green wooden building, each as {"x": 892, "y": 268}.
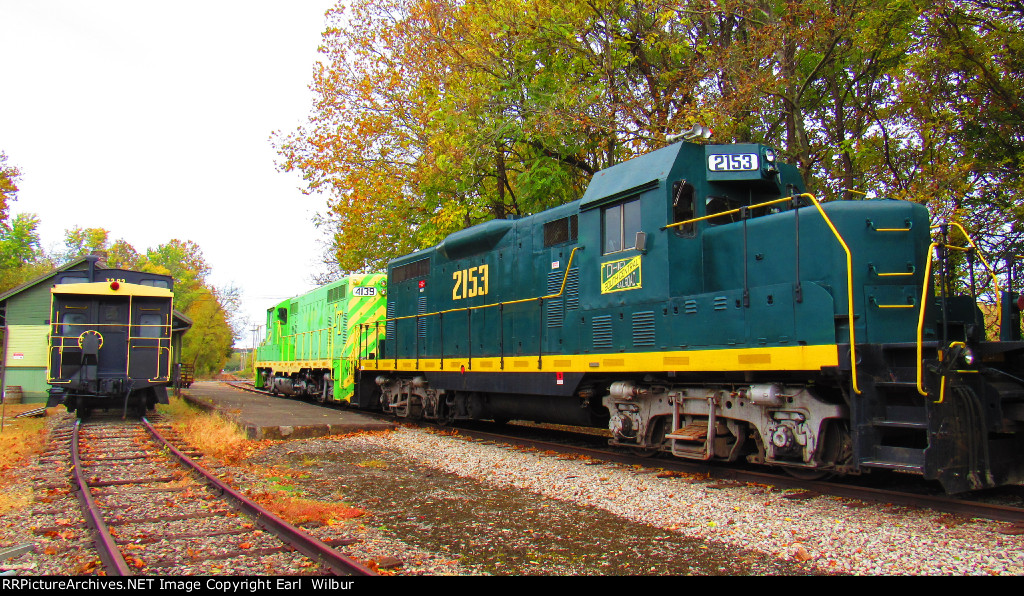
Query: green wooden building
{"x": 25, "y": 328}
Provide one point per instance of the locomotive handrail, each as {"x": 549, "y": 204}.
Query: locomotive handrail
{"x": 849, "y": 288}
{"x": 842, "y": 242}
{"x": 481, "y": 306}
{"x": 723, "y": 213}
{"x": 992, "y": 274}
{"x": 924, "y": 298}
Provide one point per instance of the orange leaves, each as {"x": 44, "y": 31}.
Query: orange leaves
{"x": 298, "y": 510}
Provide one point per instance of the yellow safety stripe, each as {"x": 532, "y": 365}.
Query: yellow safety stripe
{"x": 789, "y": 358}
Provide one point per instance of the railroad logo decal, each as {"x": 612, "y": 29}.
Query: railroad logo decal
{"x": 617, "y": 276}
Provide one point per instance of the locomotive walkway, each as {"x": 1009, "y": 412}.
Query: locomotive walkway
{"x": 267, "y": 417}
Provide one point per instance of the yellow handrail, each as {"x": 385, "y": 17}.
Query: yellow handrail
{"x": 724, "y": 213}
{"x": 849, "y": 265}
{"x": 924, "y": 299}
{"x": 992, "y": 274}
{"x": 849, "y": 289}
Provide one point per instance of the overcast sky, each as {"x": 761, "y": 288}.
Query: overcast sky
{"x": 151, "y": 119}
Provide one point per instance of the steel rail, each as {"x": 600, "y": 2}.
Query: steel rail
{"x": 105, "y": 545}
{"x": 294, "y": 537}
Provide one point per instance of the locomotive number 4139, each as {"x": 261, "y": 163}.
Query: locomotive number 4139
{"x": 470, "y": 282}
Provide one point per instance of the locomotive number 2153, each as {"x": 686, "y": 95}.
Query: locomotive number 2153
{"x": 470, "y": 282}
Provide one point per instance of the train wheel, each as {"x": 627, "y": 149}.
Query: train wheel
{"x": 657, "y": 438}
{"x": 836, "y": 448}
{"x": 807, "y": 473}
{"x": 444, "y": 413}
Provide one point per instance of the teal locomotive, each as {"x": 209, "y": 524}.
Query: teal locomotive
{"x": 697, "y": 301}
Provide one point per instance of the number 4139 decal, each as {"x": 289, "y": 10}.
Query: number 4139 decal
{"x": 470, "y": 282}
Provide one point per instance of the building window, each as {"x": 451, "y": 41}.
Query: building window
{"x": 621, "y": 223}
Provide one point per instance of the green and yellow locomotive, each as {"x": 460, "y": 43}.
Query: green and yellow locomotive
{"x": 311, "y": 347}
{"x": 698, "y": 302}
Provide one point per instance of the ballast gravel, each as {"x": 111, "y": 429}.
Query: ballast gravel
{"x": 822, "y": 534}
{"x": 441, "y": 504}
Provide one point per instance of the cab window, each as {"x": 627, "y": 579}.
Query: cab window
{"x": 682, "y": 207}
{"x": 722, "y": 204}
{"x": 621, "y": 223}
{"x": 73, "y": 323}
{"x": 151, "y": 326}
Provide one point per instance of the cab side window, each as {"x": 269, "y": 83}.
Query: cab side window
{"x": 682, "y": 207}
{"x": 721, "y": 204}
{"x": 621, "y": 223}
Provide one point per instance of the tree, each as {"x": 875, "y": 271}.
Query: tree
{"x": 208, "y": 345}
{"x": 184, "y": 261}
{"x": 79, "y": 242}
{"x": 9, "y": 176}
{"x": 21, "y": 254}
{"x": 433, "y": 115}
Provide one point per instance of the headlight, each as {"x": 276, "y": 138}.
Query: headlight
{"x": 968, "y": 356}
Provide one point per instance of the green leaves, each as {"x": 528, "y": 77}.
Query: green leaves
{"x": 431, "y": 115}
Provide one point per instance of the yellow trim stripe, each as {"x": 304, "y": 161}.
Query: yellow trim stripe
{"x": 794, "y": 358}
{"x": 103, "y": 289}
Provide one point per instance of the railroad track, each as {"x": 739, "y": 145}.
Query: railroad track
{"x": 856, "y": 488}
{"x": 153, "y": 510}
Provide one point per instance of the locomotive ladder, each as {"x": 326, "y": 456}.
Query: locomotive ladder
{"x": 893, "y": 420}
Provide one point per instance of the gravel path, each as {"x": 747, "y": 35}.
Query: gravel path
{"x": 443, "y": 505}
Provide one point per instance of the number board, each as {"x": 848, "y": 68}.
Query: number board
{"x": 741, "y": 162}
{"x": 364, "y": 291}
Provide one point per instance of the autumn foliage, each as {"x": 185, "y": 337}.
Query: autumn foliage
{"x": 432, "y": 115}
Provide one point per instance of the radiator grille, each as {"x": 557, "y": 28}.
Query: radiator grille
{"x": 602, "y": 329}
{"x": 421, "y": 323}
{"x": 643, "y": 328}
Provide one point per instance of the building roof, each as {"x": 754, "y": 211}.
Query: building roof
{"x": 42, "y": 278}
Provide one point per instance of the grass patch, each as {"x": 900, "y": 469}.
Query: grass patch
{"x": 209, "y": 433}
{"x": 299, "y": 510}
{"x": 20, "y": 441}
